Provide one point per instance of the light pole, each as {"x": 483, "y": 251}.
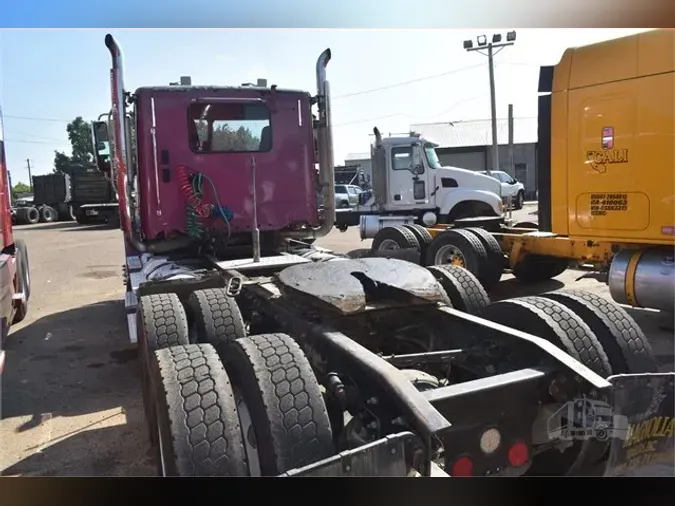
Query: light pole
{"x": 483, "y": 44}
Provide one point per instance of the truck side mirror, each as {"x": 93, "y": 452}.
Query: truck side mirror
{"x": 101, "y": 144}
{"x": 416, "y": 158}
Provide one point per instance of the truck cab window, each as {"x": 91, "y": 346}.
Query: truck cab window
{"x": 401, "y": 158}
{"x": 229, "y": 128}
{"x": 432, "y": 156}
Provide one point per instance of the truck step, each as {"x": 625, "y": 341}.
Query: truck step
{"x": 131, "y": 325}
{"x": 130, "y": 302}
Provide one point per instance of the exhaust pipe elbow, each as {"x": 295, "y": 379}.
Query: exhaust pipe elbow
{"x": 115, "y": 51}
{"x": 378, "y": 137}
{"x": 321, "y": 64}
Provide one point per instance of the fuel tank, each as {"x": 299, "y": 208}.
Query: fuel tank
{"x": 644, "y": 278}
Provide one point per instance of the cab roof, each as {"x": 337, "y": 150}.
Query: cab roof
{"x": 216, "y": 89}
{"x": 630, "y": 57}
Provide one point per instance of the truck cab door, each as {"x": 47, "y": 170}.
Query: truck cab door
{"x": 408, "y": 177}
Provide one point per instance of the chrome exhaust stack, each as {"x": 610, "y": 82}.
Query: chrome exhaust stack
{"x": 121, "y": 180}
{"x": 325, "y": 145}
{"x": 120, "y": 177}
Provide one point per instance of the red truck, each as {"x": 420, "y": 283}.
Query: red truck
{"x": 14, "y": 268}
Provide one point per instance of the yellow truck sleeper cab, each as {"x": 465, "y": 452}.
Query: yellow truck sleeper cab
{"x": 606, "y": 163}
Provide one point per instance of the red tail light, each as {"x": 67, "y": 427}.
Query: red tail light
{"x": 463, "y": 466}
{"x": 519, "y": 454}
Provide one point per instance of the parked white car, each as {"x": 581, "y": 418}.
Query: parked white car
{"x": 346, "y": 195}
{"x": 511, "y": 187}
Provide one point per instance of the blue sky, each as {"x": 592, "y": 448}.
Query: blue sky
{"x": 47, "y": 77}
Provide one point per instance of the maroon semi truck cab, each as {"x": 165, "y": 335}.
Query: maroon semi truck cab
{"x": 235, "y": 138}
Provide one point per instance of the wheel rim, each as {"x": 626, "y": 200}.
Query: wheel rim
{"x": 388, "y": 245}
{"x": 449, "y": 254}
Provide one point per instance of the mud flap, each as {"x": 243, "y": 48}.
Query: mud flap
{"x": 385, "y": 457}
{"x": 644, "y": 404}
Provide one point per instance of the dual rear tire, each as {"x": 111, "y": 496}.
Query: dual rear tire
{"x": 219, "y": 403}
{"x": 596, "y": 332}
{"x": 471, "y": 248}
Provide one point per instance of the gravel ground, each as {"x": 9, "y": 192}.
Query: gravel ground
{"x": 72, "y": 401}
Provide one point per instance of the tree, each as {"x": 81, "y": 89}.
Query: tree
{"x": 227, "y": 139}
{"x": 20, "y": 190}
{"x": 82, "y": 151}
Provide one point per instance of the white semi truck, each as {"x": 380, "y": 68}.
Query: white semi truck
{"x": 410, "y": 186}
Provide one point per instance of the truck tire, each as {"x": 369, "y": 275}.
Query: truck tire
{"x": 626, "y": 345}
{"x": 395, "y": 238}
{"x": 536, "y": 268}
{"x": 288, "y": 415}
{"x": 22, "y": 279}
{"x": 495, "y": 257}
{"x": 48, "y": 214}
{"x": 519, "y": 202}
{"x": 462, "y": 248}
{"x": 197, "y": 423}
{"x": 81, "y": 217}
{"x": 27, "y": 215}
{"x": 214, "y": 317}
{"x": 63, "y": 212}
{"x": 161, "y": 323}
{"x": 423, "y": 237}
{"x": 552, "y": 321}
{"x": 463, "y": 288}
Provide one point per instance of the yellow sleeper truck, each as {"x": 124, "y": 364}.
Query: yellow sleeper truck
{"x": 606, "y": 165}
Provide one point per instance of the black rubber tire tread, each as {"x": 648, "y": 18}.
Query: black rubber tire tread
{"x": 526, "y": 224}
{"x": 472, "y": 250}
{"x": 401, "y": 235}
{"x": 554, "y": 322}
{"x": 197, "y": 413}
{"x": 23, "y": 278}
{"x": 63, "y": 212}
{"x": 536, "y": 268}
{"x": 423, "y": 237}
{"x": 516, "y": 204}
{"x": 27, "y": 215}
{"x": 48, "y": 214}
{"x": 161, "y": 323}
{"x": 623, "y": 340}
{"x": 214, "y": 317}
{"x": 495, "y": 257}
{"x": 463, "y": 288}
{"x": 289, "y": 417}
{"x": 551, "y": 320}
{"x": 81, "y": 218}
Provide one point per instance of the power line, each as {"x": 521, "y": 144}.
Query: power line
{"x": 38, "y": 142}
{"x": 411, "y": 81}
{"x": 409, "y": 116}
{"x": 39, "y": 137}
{"x": 33, "y": 118}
